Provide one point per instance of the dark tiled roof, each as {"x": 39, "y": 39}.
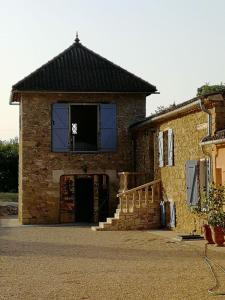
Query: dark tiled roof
{"x": 219, "y": 135}
{"x": 79, "y": 69}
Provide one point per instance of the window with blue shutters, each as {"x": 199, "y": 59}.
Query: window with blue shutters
{"x": 84, "y": 127}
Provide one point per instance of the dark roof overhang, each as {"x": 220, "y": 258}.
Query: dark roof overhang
{"x": 80, "y": 70}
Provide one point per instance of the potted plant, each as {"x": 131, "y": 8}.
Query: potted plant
{"x": 211, "y": 205}
{"x": 216, "y": 221}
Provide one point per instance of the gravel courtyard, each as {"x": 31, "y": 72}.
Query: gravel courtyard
{"x": 77, "y": 263}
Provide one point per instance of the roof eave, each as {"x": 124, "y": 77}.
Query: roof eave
{"x": 19, "y": 92}
{"x": 164, "y": 116}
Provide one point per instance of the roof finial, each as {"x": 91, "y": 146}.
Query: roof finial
{"x": 77, "y": 40}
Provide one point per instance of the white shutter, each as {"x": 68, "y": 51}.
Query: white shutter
{"x": 160, "y": 149}
{"x": 170, "y": 147}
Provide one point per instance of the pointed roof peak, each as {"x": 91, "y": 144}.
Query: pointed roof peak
{"x": 77, "y": 40}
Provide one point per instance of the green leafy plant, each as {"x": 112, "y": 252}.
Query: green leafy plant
{"x": 9, "y": 165}
{"x": 208, "y": 89}
{"x": 217, "y": 219}
{"x": 211, "y": 204}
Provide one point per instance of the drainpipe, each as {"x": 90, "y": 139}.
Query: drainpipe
{"x": 209, "y": 126}
{"x": 209, "y": 134}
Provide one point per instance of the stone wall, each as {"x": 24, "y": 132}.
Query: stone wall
{"x": 143, "y": 153}
{"x": 40, "y": 169}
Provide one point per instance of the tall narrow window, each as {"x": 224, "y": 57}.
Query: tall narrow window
{"x": 166, "y": 148}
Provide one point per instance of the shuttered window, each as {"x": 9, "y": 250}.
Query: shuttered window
{"x": 192, "y": 182}
{"x": 165, "y": 144}
{"x": 62, "y": 139}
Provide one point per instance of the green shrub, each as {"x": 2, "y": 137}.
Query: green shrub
{"x": 9, "y": 165}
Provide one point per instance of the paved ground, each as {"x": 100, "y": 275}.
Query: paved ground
{"x": 76, "y": 263}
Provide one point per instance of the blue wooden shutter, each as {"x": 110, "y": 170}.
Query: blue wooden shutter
{"x": 170, "y": 147}
{"x": 161, "y": 162}
{"x": 108, "y": 130}
{"x": 60, "y": 127}
{"x": 192, "y": 182}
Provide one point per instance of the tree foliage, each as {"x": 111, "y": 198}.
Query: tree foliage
{"x": 164, "y": 109}
{"x": 208, "y": 89}
{"x": 9, "y": 165}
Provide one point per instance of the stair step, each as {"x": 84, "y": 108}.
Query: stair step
{"x": 95, "y": 228}
{"x": 101, "y": 224}
{"x": 110, "y": 220}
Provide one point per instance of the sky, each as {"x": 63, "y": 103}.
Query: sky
{"x": 176, "y": 45}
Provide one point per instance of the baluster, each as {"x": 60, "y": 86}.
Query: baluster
{"x": 126, "y": 202}
{"x": 121, "y": 202}
{"x": 153, "y": 193}
{"x": 139, "y": 198}
{"x": 133, "y": 200}
{"x": 159, "y": 191}
{"x": 146, "y": 196}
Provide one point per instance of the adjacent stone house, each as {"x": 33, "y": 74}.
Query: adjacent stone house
{"x": 184, "y": 148}
{"x": 75, "y": 112}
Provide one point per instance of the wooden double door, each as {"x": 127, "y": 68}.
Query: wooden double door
{"x": 84, "y": 198}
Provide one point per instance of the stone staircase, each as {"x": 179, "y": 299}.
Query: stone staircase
{"x": 138, "y": 209}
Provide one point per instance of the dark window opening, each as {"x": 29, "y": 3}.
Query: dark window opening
{"x": 84, "y": 128}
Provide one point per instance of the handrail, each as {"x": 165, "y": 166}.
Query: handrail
{"x": 139, "y": 187}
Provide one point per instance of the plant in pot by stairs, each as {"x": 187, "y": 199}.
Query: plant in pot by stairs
{"x": 212, "y": 203}
{"x": 216, "y": 221}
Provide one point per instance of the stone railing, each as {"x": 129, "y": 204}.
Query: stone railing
{"x": 138, "y": 209}
{"x": 129, "y": 180}
{"x": 140, "y": 197}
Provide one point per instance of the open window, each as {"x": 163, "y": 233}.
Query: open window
{"x": 84, "y": 127}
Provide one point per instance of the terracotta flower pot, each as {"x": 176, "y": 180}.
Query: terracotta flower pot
{"x": 218, "y": 235}
{"x": 207, "y": 234}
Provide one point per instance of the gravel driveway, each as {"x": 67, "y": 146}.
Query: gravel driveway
{"x": 77, "y": 263}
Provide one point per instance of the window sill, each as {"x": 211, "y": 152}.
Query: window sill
{"x": 86, "y": 152}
